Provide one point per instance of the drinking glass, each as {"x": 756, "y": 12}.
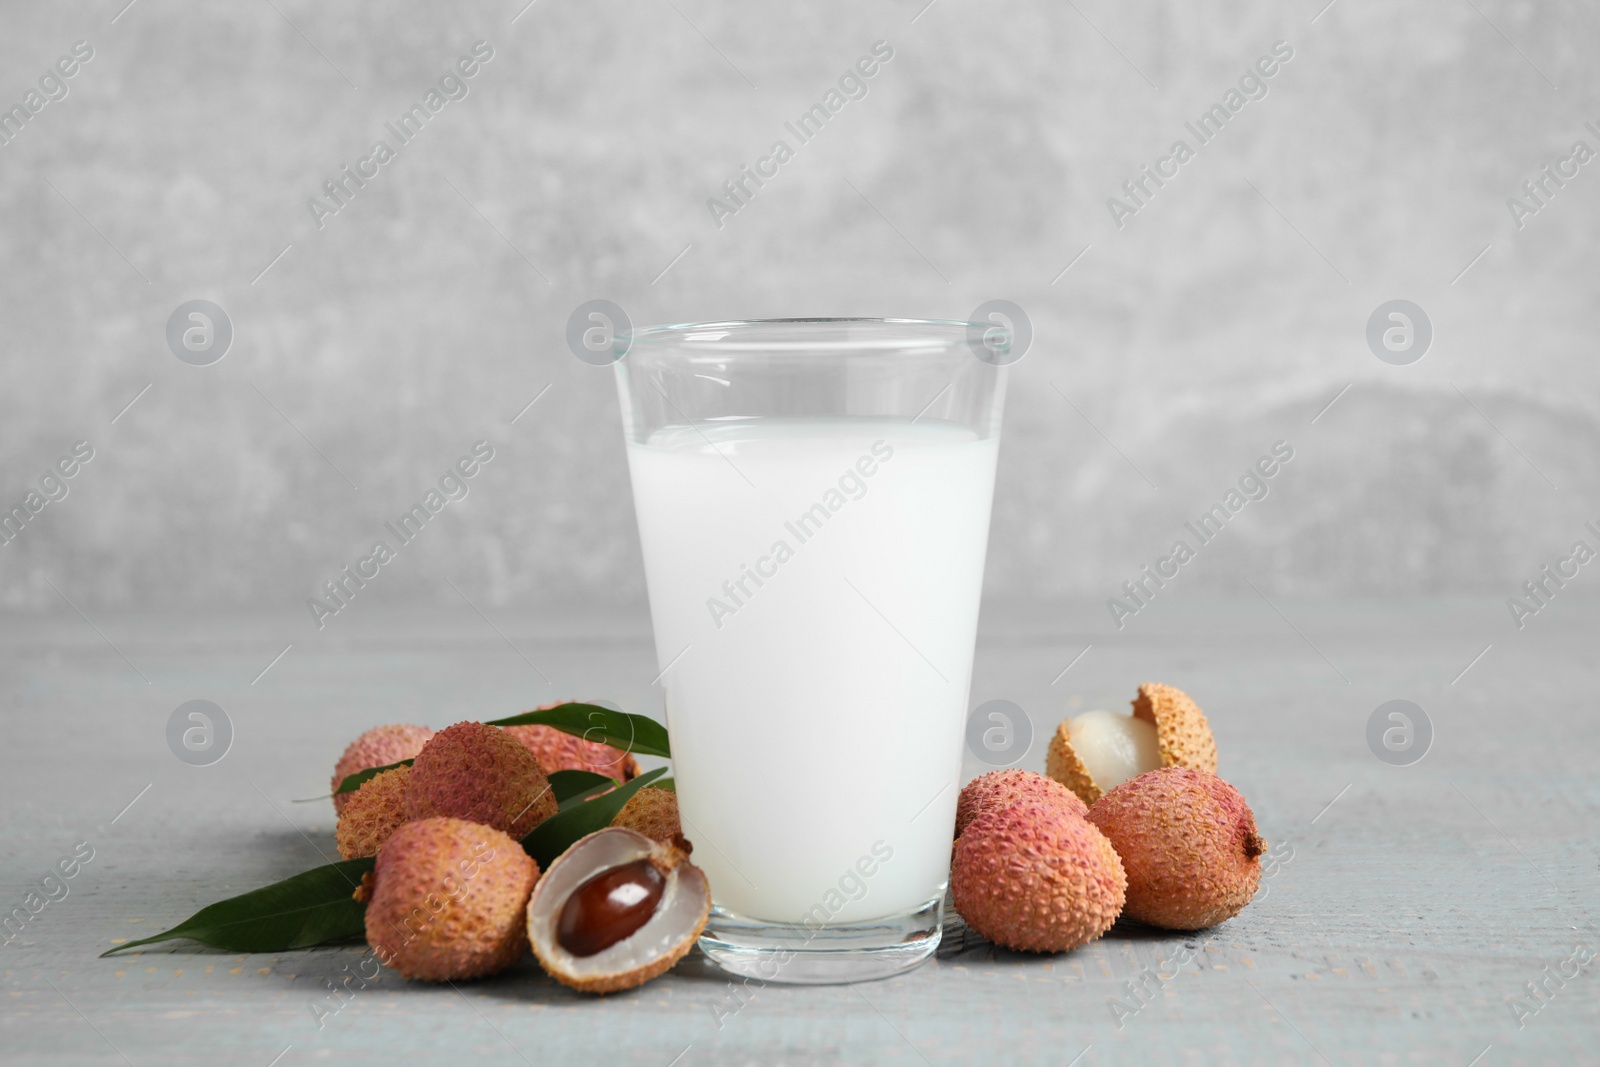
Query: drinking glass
{"x": 813, "y": 500}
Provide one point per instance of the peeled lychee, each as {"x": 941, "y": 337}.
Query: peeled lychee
{"x": 1114, "y": 747}
{"x": 477, "y": 772}
{"x": 615, "y": 910}
{"x": 1036, "y": 877}
{"x": 373, "y": 812}
{"x": 378, "y": 747}
{"x": 999, "y": 789}
{"x": 448, "y": 900}
{"x": 1099, "y": 750}
{"x": 654, "y": 813}
{"x": 557, "y": 750}
{"x": 1189, "y": 844}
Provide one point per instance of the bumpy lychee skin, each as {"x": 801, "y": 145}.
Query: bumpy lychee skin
{"x": 999, "y": 789}
{"x": 654, "y": 813}
{"x": 1062, "y": 764}
{"x": 375, "y": 811}
{"x": 378, "y": 747}
{"x": 477, "y": 772}
{"x": 448, "y": 900}
{"x": 1189, "y": 844}
{"x": 1036, "y": 877}
{"x": 1181, "y": 727}
{"x": 557, "y": 750}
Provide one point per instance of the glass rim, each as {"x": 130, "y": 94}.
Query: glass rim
{"x": 745, "y": 335}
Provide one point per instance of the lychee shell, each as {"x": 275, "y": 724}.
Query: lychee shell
{"x": 374, "y": 811}
{"x": 1181, "y": 727}
{"x": 448, "y": 900}
{"x": 481, "y": 773}
{"x": 1062, "y": 764}
{"x": 378, "y": 747}
{"x": 1036, "y": 878}
{"x": 1001, "y": 788}
{"x": 1189, "y": 844}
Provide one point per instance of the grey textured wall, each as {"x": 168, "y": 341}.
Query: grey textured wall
{"x": 1221, "y": 317}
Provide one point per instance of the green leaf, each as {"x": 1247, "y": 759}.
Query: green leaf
{"x": 632, "y": 733}
{"x": 360, "y": 778}
{"x": 573, "y": 786}
{"x": 669, "y": 784}
{"x": 312, "y": 908}
{"x": 556, "y": 834}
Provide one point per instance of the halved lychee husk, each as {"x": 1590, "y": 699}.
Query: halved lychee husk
{"x": 1181, "y": 727}
{"x": 1061, "y": 762}
{"x": 1181, "y": 730}
{"x": 665, "y": 938}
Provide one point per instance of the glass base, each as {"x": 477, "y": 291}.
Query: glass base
{"x": 829, "y": 955}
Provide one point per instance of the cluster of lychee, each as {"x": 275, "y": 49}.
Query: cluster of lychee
{"x": 454, "y": 895}
{"x": 1131, "y": 820}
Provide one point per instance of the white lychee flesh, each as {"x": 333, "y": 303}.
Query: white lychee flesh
{"x": 1114, "y": 747}
{"x": 679, "y": 917}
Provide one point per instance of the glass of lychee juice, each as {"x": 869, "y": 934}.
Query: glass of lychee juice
{"x": 813, "y": 500}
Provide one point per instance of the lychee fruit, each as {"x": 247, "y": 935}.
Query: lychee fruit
{"x": 1096, "y": 751}
{"x": 999, "y": 789}
{"x": 378, "y": 747}
{"x": 477, "y": 772}
{"x": 615, "y": 910}
{"x": 1189, "y": 844}
{"x": 557, "y": 750}
{"x": 654, "y": 813}
{"x": 1036, "y": 877}
{"x": 448, "y": 900}
{"x": 374, "y": 811}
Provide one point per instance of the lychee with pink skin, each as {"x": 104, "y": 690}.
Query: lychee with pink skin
{"x": 1036, "y": 877}
{"x": 481, "y": 773}
{"x": 557, "y": 750}
{"x": 447, "y": 900}
{"x": 1189, "y": 844}
{"x": 378, "y": 747}
{"x": 999, "y": 789}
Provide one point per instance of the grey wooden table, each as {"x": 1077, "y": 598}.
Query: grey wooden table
{"x": 1408, "y": 908}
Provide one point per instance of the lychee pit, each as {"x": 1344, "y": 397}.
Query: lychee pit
{"x": 609, "y": 907}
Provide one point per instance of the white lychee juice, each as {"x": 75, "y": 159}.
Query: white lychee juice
{"x": 814, "y": 588}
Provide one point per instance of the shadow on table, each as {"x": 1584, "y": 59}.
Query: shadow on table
{"x": 960, "y": 944}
